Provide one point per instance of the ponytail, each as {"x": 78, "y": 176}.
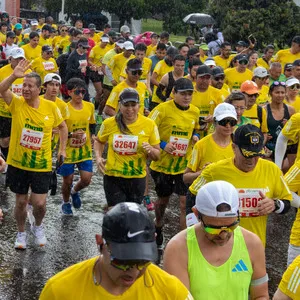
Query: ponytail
{"x": 121, "y": 125}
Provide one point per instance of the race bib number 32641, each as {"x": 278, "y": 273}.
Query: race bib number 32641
{"x": 31, "y": 139}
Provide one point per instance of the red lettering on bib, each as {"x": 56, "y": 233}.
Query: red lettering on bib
{"x": 31, "y": 139}
{"x": 125, "y": 144}
{"x": 181, "y": 145}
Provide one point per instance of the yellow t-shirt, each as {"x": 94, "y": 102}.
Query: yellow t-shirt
{"x": 95, "y": 38}
{"x": 291, "y": 130}
{"x": 266, "y": 177}
{"x": 55, "y": 44}
{"x": 295, "y": 104}
{"x": 43, "y": 41}
{"x": 203, "y": 58}
{"x": 174, "y": 126}
{"x": 225, "y": 91}
{"x": 146, "y": 66}
{"x": 263, "y": 96}
{"x": 151, "y": 50}
{"x": 160, "y": 69}
{"x": 43, "y": 67}
{"x": 262, "y": 63}
{"x": 289, "y": 284}
{"x": 96, "y": 55}
{"x": 116, "y": 64}
{"x": 208, "y": 151}
{"x": 253, "y": 116}
{"x": 126, "y": 157}
{"x": 285, "y": 56}
{"x": 64, "y": 44}
{"x": 32, "y": 53}
{"x": 110, "y": 46}
{"x": 222, "y": 62}
{"x": 79, "y": 150}
{"x": 234, "y": 79}
{"x": 2, "y": 38}
{"x": 292, "y": 178}
{"x": 207, "y": 101}
{"x": 16, "y": 88}
{"x": 31, "y": 133}
{"x": 153, "y": 284}
{"x": 113, "y": 99}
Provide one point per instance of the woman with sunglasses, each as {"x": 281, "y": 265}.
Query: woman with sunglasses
{"x": 278, "y": 113}
{"x": 261, "y": 78}
{"x": 215, "y": 146}
{"x": 292, "y": 93}
{"x": 132, "y": 139}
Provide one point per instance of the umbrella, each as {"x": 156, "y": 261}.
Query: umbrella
{"x": 201, "y": 19}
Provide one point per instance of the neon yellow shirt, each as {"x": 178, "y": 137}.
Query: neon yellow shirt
{"x": 43, "y": 67}
{"x": 289, "y": 283}
{"x": 266, "y": 177}
{"x": 175, "y": 126}
{"x": 262, "y": 63}
{"x": 151, "y": 50}
{"x": 163, "y": 286}
{"x": 126, "y": 157}
{"x": 234, "y": 79}
{"x": 295, "y": 104}
{"x": 96, "y": 55}
{"x": 32, "y": 53}
{"x": 31, "y": 134}
{"x": 43, "y": 42}
{"x": 285, "y": 56}
{"x": 263, "y": 96}
{"x": 105, "y": 60}
{"x": 80, "y": 149}
{"x": 146, "y": 66}
{"x": 208, "y": 151}
{"x": 113, "y": 99}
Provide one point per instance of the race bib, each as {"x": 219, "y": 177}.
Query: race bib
{"x": 48, "y": 65}
{"x": 17, "y": 89}
{"x": 82, "y": 63}
{"x": 249, "y": 199}
{"x": 31, "y": 139}
{"x": 125, "y": 144}
{"x": 77, "y": 143}
{"x": 181, "y": 145}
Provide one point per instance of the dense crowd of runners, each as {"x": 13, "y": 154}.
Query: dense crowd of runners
{"x": 217, "y": 124}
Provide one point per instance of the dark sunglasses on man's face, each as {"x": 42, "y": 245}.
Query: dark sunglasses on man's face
{"x": 243, "y": 62}
{"x": 77, "y": 92}
{"x": 137, "y": 72}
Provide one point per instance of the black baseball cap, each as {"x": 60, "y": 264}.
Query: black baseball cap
{"x": 10, "y": 34}
{"x": 296, "y": 63}
{"x": 250, "y": 140}
{"x": 296, "y": 39}
{"x": 92, "y": 26}
{"x": 216, "y": 71}
{"x": 134, "y": 64}
{"x": 242, "y": 57}
{"x": 172, "y": 51}
{"x": 130, "y": 232}
{"x": 47, "y": 48}
{"x": 183, "y": 84}
{"x": 47, "y": 27}
{"x": 203, "y": 70}
{"x": 129, "y": 95}
{"x": 241, "y": 43}
{"x": 288, "y": 66}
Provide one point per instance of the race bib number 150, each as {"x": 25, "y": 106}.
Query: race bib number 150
{"x": 249, "y": 199}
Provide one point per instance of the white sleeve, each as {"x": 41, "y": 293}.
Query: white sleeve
{"x": 280, "y": 149}
{"x": 108, "y": 73}
{"x": 296, "y": 200}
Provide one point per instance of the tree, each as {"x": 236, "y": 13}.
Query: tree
{"x": 268, "y": 20}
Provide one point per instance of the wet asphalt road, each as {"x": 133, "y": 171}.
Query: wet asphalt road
{"x": 71, "y": 239}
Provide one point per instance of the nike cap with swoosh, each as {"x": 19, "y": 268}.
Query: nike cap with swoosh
{"x": 130, "y": 232}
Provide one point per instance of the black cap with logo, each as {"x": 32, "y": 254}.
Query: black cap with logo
{"x": 130, "y": 232}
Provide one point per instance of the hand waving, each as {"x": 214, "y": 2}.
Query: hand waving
{"x": 21, "y": 68}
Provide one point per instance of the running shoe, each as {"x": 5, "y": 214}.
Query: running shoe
{"x": 20, "y": 242}
{"x": 66, "y": 209}
{"x": 30, "y": 215}
{"x": 148, "y": 203}
{"x": 76, "y": 201}
{"x": 39, "y": 235}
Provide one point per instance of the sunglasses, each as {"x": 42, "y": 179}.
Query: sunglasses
{"x": 63, "y": 30}
{"x": 137, "y": 72}
{"x": 279, "y": 83}
{"x": 127, "y": 265}
{"x": 225, "y": 121}
{"x": 219, "y": 78}
{"x": 216, "y": 230}
{"x": 243, "y": 62}
{"x": 252, "y": 95}
{"x": 295, "y": 87}
{"x": 78, "y": 92}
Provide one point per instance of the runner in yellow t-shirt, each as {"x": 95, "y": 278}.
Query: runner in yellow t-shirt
{"x": 46, "y": 63}
{"x": 59, "y": 39}
{"x": 81, "y": 129}
{"x": 289, "y": 288}
{"x": 131, "y": 139}
{"x": 234, "y": 77}
{"x": 259, "y": 182}
{"x": 151, "y": 49}
{"x": 45, "y": 37}
{"x": 292, "y": 93}
{"x": 134, "y": 71}
{"x": 265, "y": 60}
{"x": 217, "y": 81}
{"x": 177, "y": 121}
{"x": 30, "y": 157}
{"x": 33, "y": 49}
{"x": 223, "y": 60}
{"x": 261, "y": 77}
{"x": 122, "y": 270}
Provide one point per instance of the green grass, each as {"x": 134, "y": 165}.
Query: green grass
{"x": 157, "y": 26}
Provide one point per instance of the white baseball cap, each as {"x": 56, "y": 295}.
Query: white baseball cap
{"x": 128, "y": 45}
{"x": 210, "y": 62}
{"x": 104, "y": 38}
{"x": 260, "y": 72}
{"x": 224, "y": 110}
{"x": 17, "y": 52}
{"x": 291, "y": 81}
{"x": 214, "y": 193}
{"x": 52, "y": 77}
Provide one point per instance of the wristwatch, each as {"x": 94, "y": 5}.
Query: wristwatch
{"x": 70, "y": 135}
{"x": 277, "y": 204}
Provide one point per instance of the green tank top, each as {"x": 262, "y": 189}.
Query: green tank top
{"x": 228, "y": 281}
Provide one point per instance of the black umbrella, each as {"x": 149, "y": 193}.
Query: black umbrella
{"x": 200, "y": 19}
